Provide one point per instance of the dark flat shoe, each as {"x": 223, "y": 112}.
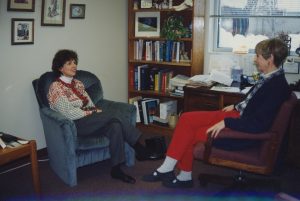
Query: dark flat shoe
{"x": 175, "y": 183}
{"x": 157, "y": 176}
{"x": 125, "y": 178}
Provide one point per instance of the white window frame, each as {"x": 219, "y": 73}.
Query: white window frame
{"x": 214, "y": 27}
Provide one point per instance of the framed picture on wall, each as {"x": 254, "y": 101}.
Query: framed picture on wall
{"x": 53, "y": 12}
{"x": 147, "y": 24}
{"x": 77, "y": 11}
{"x": 20, "y": 5}
{"x": 22, "y": 31}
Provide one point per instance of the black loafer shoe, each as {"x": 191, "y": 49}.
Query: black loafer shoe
{"x": 157, "y": 176}
{"x": 175, "y": 183}
{"x": 154, "y": 157}
{"x": 124, "y": 177}
{"x": 149, "y": 156}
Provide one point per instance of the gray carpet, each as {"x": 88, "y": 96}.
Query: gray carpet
{"x": 94, "y": 183}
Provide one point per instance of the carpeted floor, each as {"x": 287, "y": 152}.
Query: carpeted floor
{"x": 94, "y": 183}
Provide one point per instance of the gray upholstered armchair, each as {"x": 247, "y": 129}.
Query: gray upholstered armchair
{"x": 66, "y": 151}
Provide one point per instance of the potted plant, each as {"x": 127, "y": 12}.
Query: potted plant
{"x": 173, "y": 28}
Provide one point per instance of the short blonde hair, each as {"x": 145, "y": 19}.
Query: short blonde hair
{"x": 275, "y": 47}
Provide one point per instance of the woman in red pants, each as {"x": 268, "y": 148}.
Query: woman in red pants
{"x": 254, "y": 114}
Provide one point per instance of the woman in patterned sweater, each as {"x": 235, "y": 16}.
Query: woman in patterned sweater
{"x": 67, "y": 95}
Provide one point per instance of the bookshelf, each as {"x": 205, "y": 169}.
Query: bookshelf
{"x": 192, "y": 45}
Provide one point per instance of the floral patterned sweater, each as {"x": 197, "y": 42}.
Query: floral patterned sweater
{"x": 62, "y": 99}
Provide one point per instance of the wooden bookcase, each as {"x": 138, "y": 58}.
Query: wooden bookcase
{"x": 194, "y": 46}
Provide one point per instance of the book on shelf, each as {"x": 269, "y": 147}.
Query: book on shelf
{"x": 176, "y": 52}
{"x": 168, "y": 52}
{"x": 145, "y": 78}
{"x": 153, "y": 71}
{"x": 137, "y": 75}
{"x": 148, "y": 53}
{"x": 137, "y": 102}
{"x": 149, "y": 108}
{"x": 167, "y": 108}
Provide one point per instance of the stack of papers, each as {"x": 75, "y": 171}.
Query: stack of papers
{"x": 179, "y": 80}
{"x": 201, "y": 80}
{"x": 220, "y": 77}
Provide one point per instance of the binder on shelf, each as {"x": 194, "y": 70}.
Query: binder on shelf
{"x": 138, "y": 76}
{"x": 145, "y": 78}
{"x": 149, "y": 108}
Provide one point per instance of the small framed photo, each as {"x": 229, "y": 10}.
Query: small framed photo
{"x": 77, "y": 11}
{"x": 20, "y": 5}
{"x": 147, "y": 24}
{"x": 53, "y": 12}
{"x": 22, "y": 31}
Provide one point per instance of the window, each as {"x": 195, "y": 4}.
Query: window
{"x": 243, "y": 23}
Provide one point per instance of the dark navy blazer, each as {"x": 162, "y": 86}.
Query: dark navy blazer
{"x": 259, "y": 113}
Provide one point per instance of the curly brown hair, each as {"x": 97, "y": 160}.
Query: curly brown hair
{"x": 60, "y": 58}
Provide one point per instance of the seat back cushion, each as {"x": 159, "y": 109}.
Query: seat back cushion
{"x": 91, "y": 82}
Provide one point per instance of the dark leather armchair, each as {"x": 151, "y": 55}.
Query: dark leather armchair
{"x": 66, "y": 151}
{"x": 259, "y": 160}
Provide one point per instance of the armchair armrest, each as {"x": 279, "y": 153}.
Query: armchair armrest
{"x": 124, "y": 110}
{"x": 229, "y": 133}
{"x": 59, "y": 130}
{"x": 56, "y": 116}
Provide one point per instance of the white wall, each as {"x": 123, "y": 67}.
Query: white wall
{"x": 100, "y": 41}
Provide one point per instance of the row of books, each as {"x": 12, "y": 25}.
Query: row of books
{"x": 145, "y": 77}
{"x": 151, "y": 110}
{"x": 159, "y": 51}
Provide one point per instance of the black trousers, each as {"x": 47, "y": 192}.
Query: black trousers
{"x": 117, "y": 130}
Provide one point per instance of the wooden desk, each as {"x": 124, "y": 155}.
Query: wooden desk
{"x": 202, "y": 98}
{"x": 10, "y": 154}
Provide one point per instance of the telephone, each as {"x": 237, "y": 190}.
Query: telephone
{"x": 246, "y": 81}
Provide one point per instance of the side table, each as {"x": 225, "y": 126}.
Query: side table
{"x": 10, "y": 154}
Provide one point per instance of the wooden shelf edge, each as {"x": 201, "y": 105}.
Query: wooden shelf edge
{"x": 179, "y": 64}
{"x": 158, "y": 38}
{"x": 154, "y": 93}
{"x": 159, "y": 10}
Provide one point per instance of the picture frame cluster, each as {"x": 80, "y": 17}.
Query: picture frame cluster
{"x": 52, "y": 14}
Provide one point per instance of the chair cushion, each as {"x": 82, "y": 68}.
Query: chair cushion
{"x": 85, "y": 143}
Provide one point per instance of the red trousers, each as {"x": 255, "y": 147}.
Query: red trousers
{"x": 190, "y": 129}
